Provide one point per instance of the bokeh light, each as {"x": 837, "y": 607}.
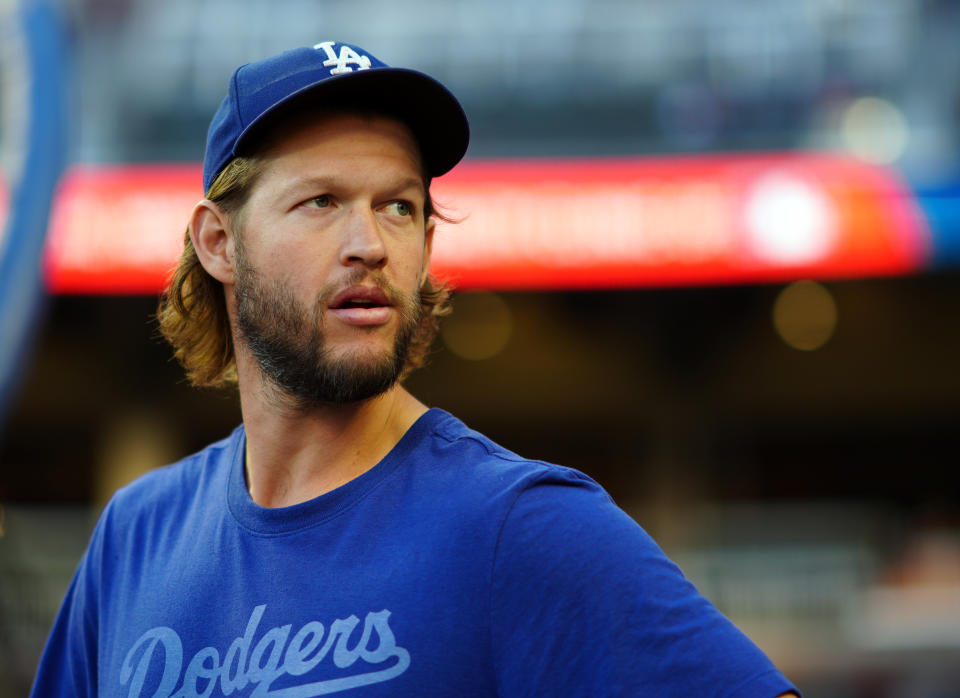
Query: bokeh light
{"x": 479, "y": 328}
{"x": 789, "y": 221}
{"x": 805, "y": 315}
{"x": 875, "y": 130}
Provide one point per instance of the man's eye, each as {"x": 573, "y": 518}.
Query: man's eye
{"x": 318, "y": 201}
{"x": 401, "y": 208}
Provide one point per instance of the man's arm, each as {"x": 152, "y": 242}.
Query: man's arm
{"x": 583, "y": 602}
{"x": 69, "y": 664}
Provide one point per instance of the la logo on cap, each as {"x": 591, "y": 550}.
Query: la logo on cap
{"x": 342, "y": 61}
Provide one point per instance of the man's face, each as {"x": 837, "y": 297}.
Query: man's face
{"x": 331, "y": 250}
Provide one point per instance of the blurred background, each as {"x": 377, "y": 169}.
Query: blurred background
{"x": 775, "y": 399}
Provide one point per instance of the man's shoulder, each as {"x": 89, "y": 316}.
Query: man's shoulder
{"x": 480, "y": 464}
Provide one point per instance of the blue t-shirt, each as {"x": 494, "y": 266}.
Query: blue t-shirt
{"x": 452, "y": 568}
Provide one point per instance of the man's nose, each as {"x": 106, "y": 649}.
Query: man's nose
{"x": 363, "y": 240}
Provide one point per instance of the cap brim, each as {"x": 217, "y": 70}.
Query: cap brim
{"x": 432, "y": 113}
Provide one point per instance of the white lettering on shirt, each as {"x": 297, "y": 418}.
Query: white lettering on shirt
{"x": 275, "y": 654}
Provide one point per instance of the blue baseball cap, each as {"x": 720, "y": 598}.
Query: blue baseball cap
{"x": 333, "y": 74}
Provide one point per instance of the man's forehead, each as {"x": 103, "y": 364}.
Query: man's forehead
{"x": 346, "y": 130}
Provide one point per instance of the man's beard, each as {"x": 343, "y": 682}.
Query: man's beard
{"x": 288, "y": 343}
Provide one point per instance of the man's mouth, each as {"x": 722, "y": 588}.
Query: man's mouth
{"x": 362, "y": 306}
{"x": 359, "y": 303}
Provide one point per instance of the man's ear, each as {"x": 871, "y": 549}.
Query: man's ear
{"x": 427, "y": 248}
{"x": 213, "y": 240}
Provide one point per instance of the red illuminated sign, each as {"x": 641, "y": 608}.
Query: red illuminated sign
{"x": 119, "y": 229}
{"x": 550, "y": 224}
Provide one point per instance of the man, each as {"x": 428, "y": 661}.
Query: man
{"x": 346, "y": 537}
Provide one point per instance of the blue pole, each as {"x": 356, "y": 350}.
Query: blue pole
{"x": 41, "y": 146}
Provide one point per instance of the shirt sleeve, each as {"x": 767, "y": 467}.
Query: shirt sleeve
{"x": 68, "y": 665}
{"x": 584, "y": 603}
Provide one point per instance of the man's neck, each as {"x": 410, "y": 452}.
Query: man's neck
{"x": 294, "y": 456}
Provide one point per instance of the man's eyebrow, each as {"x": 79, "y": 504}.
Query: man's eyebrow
{"x": 335, "y": 182}
{"x": 316, "y": 182}
{"x": 409, "y": 183}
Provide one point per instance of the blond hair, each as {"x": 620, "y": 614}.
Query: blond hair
{"x": 192, "y": 312}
